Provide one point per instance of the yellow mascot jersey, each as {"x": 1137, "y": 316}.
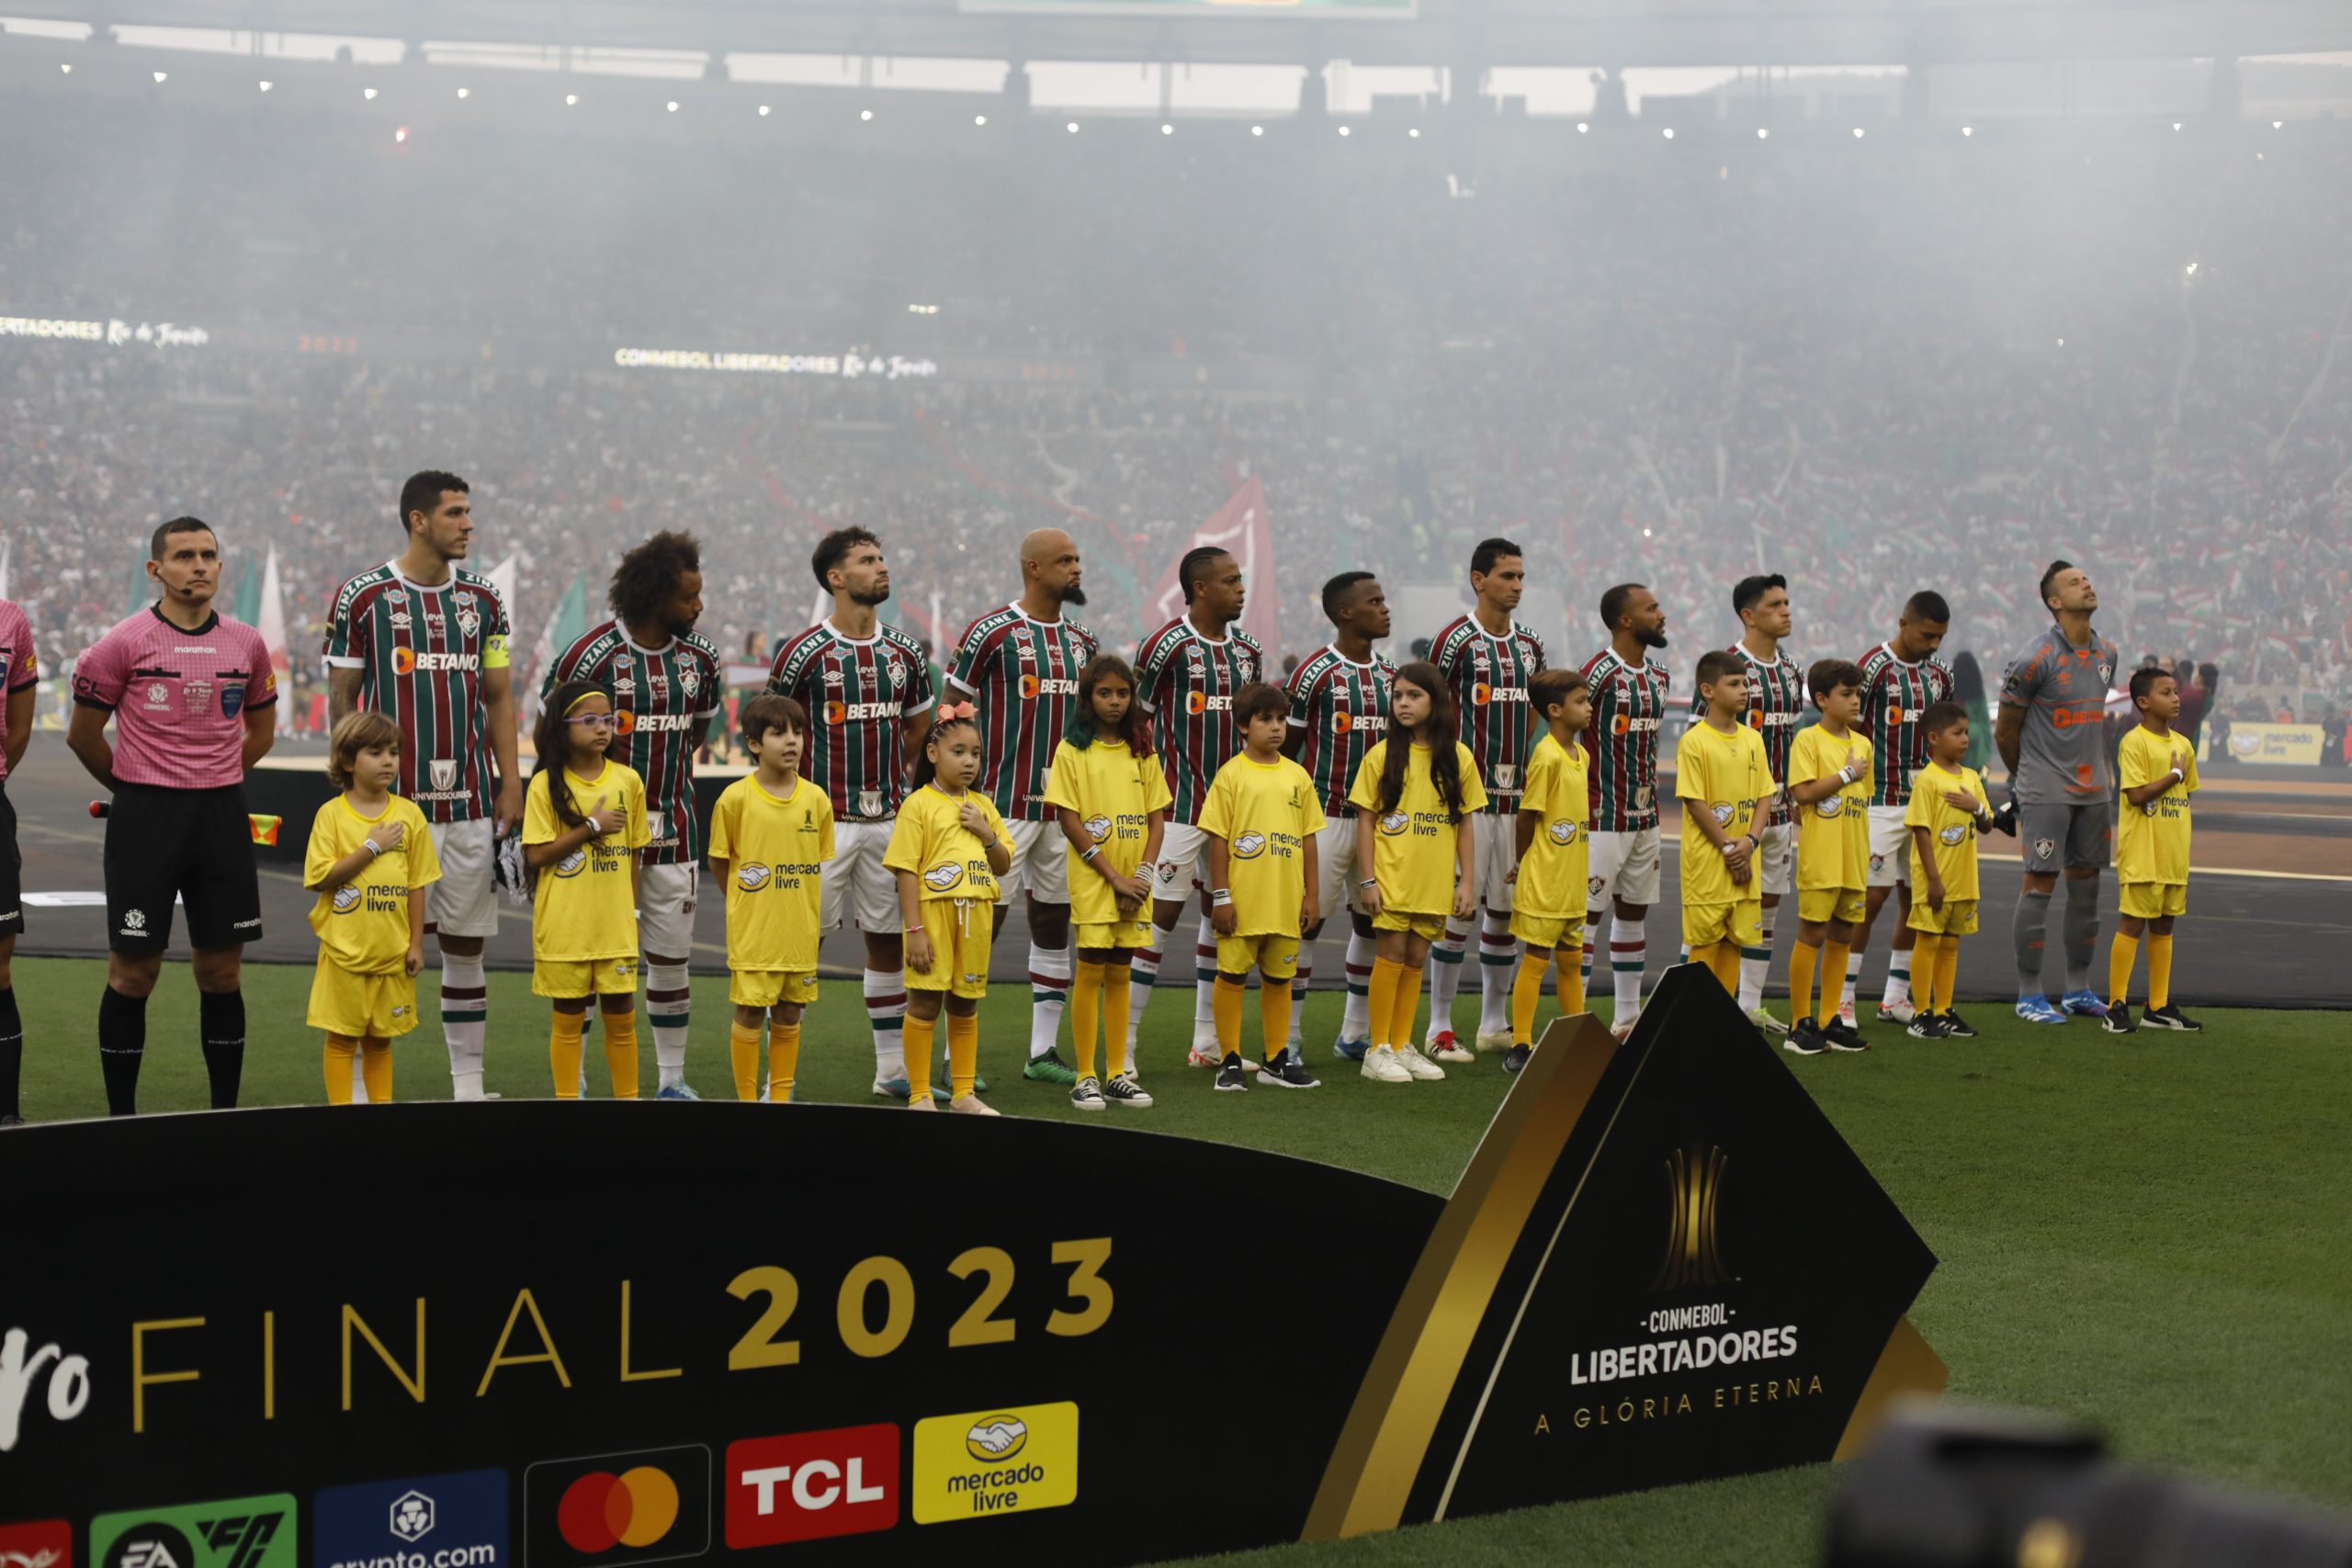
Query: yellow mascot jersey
{"x": 585, "y": 905}
{"x": 363, "y": 925}
{"x": 1413, "y": 845}
{"x": 775, "y": 848}
{"x": 1265, "y": 812}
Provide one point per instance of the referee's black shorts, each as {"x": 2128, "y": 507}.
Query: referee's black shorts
{"x": 196, "y": 844}
{"x": 11, "y": 867}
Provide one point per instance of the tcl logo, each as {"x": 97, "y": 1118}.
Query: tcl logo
{"x": 807, "y": 1485}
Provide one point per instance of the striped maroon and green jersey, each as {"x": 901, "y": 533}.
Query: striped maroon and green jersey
{"x": 859, "y": 692}
{"x": 1776, "y": 702}
{"x": 1338, "y": 710}
{"x": 1022, "y": 676}
{"x": 1188, "y": 682}
{"x": 1489, "y": 676}
{"x": 1894, "y": 696}
{"x": 1628, "y": 712}
{"x": 421, "y": 653}
{"x": 665, "y": 697}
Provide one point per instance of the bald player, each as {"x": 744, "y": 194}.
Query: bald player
{"x": 1020, "y": 667}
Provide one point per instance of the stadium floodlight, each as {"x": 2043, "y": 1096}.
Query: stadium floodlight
{"x": 368, "y": 94}
{"x": 2192, "y": 269}
{"x": 979, "y": 120}
{"x": 1167, "y": 129}
{"x": 1968, "y": 130}
{"x": 1763, "y": 134}
{"x": 266, "y": 87}
{"x": 2175, "y": 125}
{"x": 1645, "y": 532}
{"x": 1582, "y": 127}
{"x": 1669, "y": 133}
{"x": 1071, "y": 128}
{"x": 162, "y": 77}
{"x": 1857, "y": 134}
{"x": 672, "y": 106}
{"x": 2278, "y": 125}
{"x": 65, "y": 67}
{"x": 570, "y": 101}
{"x": 1343, "y": 131}
{"x": 1257, "y": 131}
{"x": 764, "y": 111}
{"x": 464, "y": 93}
{"x": 1415, "y": 133}
{"x": 865, "y": 114}
{"x": 400, "y": 136}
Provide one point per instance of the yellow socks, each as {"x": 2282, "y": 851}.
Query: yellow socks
{"x": 1835, "y": 956}
{"x": 620, "y": 1051}
{"x": 563, "y": 1054}
{"x": 2120, "y": 958}
{"x": 1946, "y": 973}
{"x": 1725, "y": 964}
{"x": 376, "y": 1070}
{"x": 962, "y": 1054}
{"x": 1804, "y": 958}
{"x": 921, "y": 1035}
{"x": 339, "y": 1051}
{"x": 1407, "y": 1002}
{"x": 2159, "y": 975}
{"x": 1526, "y": 990}
{"x": 744, "y": 1055}
{"x": 1086, "y": 1013}
{"x": 1114, "y": 1017}
{"x": 1924, "y": 948}
{"x": 1380, "y": 1003}
{"x": 1570, "y": 986}
{"x": 1273, "y": 1011}
{"x": 783, "y": 1060}
{"x": 1225, "y": 1004}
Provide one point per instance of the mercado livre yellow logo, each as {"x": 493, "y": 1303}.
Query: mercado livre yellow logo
{"x": 1010, "y": 1459}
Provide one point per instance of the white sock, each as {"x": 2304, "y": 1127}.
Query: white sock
{"x": 1898, "y": 976}
{"x": 1497, "y": 968}
{"x": 464, "y": 1018}
{"x": 1629, "y": 951}
{"x": 886, "y": 1014}
{"x": 1298, "y": 996}
{"x": 1049, "y": 970}
{"x": 1445, "y": 976}
{"x": 1753, "y": 962}
{"x": 1355, "y": 1017}
{"x": 1204, "y": 985}
{"x": 1853, "y": 977}
{"x": 669, "y": 998}
{"x": 1143, "y": 973}
{"x": 1592, "y": 918}
{"x": 358, "y": 1081}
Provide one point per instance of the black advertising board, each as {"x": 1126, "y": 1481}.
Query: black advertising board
{"x": 599, "y": 1335}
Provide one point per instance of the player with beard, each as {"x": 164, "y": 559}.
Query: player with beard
{"x": 1020, "y": 665}
{"x": 192, "y": 696}
{"x": 424, "y": 640}
{"x": 867, "y": 690}
{"x": 1902, "y": 679}
{"x": 1488, "y": 658}
{"x": 2053, "y": 738}
{"x": 665, "y": 684}
{"x": 1628, "y": 707}
{"x": 1776, "y": 700}
{"x": 1338, "y": 710}
{"x": 1186, "y": 674}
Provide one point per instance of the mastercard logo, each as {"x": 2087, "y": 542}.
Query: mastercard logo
{"x": 1196, "y": 702}
{"x": 403, "y": 662}
{"x": 601, "y": 1510}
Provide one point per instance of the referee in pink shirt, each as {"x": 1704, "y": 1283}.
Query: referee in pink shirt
{"x": 191, "y": 694}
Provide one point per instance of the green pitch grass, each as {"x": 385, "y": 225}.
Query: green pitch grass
{"x": 2147, "y": 1231}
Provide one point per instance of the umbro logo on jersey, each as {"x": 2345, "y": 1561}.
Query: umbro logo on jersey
{"x": 399, "y": 620}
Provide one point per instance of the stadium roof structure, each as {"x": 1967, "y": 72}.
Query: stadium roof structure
{"x": 1457, "y": 33}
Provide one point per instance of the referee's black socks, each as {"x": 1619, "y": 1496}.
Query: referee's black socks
{"x": 12, "y": 1052}
{"x": 122, "y": 1042}
{"x": 222, "y": 1017}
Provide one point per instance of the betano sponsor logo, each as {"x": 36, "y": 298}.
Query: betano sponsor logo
{"x": 1006, "y": 1461}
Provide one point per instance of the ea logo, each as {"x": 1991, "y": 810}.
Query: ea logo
{"x": 150, "y": 1545}
{"x": 1563, "y": 832}
{"x": 1249, "y": 846}
{"x": 1954, "y": 834}
{"x": 571, "y": 864}
{"x": 940, "y": 878}
{"x": 347, "y": 898}
{"x": 602, "y": 1510}
{"x": 995, "y": 1438}
{"x": 1394, "y": 822}
{"x": 750, "y": 876}
{"x": 1098, "y": 827}
{"x": 1723, "y": 813}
